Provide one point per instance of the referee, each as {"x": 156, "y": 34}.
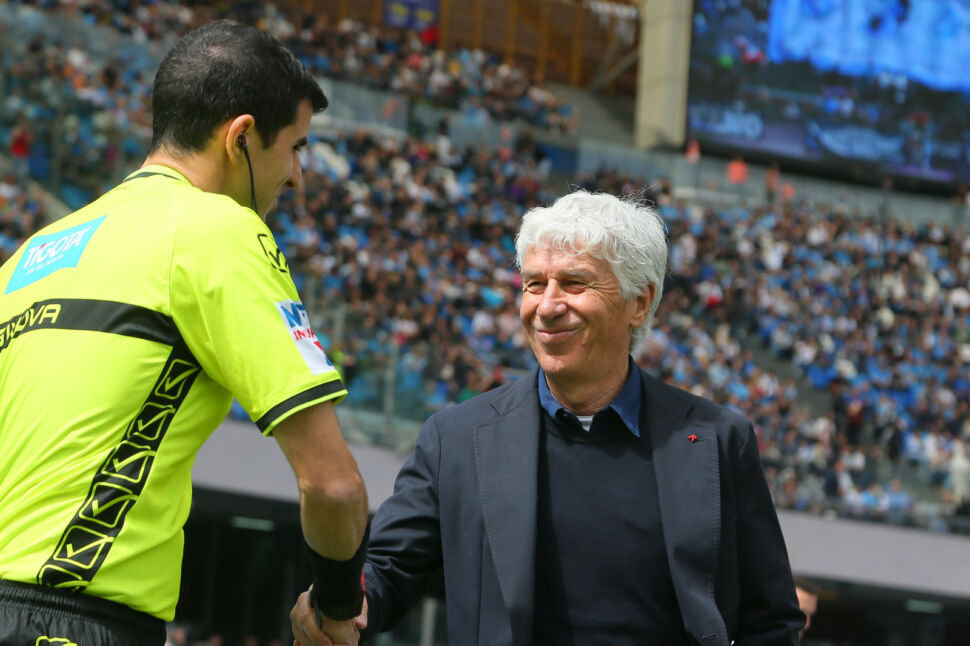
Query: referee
{"x": 126, "y": 329}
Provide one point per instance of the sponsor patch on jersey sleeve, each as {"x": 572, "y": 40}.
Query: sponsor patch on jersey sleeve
{"x": 46, "y": 254}
{"x": 298, "y": 324}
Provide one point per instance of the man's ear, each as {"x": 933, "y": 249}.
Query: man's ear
{"x": 644, "y": 301}
{"x": 241, "y": 132}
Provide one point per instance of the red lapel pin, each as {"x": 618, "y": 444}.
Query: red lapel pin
{"x": 692, "y": 438}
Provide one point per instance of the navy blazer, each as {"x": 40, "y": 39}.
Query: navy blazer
{"x": 465, "y": 499}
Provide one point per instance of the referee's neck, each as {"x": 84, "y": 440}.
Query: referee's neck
{"x": 207, "y": 170}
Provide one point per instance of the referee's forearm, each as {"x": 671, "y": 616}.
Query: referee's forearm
{"x": 334, "y": 515}
{"x": 333, "y": 500}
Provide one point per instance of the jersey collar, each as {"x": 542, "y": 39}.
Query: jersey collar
{"x": 158, "y": 169}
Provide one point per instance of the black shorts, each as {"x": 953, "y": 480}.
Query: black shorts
{"x": 33, "y": 615}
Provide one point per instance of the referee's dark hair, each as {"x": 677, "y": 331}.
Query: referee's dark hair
{"x": 220, "y": 71}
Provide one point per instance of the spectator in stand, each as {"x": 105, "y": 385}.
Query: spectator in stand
{"x": 20, "y": 140}
{"x": 736, "y": 173}
{"x": 772, "y": 183}
{"x": 899, "y": 504}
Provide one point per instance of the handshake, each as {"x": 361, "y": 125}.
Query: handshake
{"x": 334, "y": 610}
{"x": 312, "y": 628}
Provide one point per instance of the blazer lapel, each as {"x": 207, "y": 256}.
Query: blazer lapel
{"x": 506, "y": 457}
{"x": 685, "y": 458}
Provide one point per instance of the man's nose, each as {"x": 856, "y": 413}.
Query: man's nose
{"x": 296, "y": 177}
{"x": 553, "y": 302}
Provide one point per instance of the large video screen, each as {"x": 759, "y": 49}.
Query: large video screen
{"x": 878, "y": 87}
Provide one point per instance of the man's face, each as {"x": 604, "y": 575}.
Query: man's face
{"x": 279, "y": 165}
{"x": 578, "y": 325}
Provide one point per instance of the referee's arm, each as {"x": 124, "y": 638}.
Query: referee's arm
{"x": 333, "y": 500}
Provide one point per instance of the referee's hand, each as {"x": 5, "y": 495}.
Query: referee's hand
{"x": 306, "y": 632}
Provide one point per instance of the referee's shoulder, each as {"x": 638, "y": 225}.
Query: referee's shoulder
{"x": 214, "y": 214}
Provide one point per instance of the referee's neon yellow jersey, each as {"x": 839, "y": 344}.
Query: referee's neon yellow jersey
{"x": 126, "y": 328}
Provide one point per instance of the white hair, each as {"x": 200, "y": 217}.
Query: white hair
{"x": 630, "y": 236}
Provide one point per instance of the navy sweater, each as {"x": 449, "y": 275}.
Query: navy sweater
{"x": 601, "y": 569}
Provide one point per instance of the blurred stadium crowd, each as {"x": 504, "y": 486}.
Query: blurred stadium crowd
{"x": 95, "y": 108}
{"x": 405, "y": 246}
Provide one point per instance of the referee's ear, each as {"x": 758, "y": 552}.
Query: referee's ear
{"x": 233, "y": 133}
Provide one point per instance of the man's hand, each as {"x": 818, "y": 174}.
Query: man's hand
{"x": 306, "y": 632}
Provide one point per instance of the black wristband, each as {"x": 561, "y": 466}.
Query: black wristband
{"x": 338, "y": 586}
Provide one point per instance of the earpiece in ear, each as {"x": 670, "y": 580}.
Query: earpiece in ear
{"x": 241, "y": 141}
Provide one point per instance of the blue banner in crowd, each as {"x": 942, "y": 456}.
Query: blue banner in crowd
{"x": 411, "y": 14}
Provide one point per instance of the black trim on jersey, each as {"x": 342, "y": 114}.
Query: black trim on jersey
{"x": 329, "y": 388}
{"x": 120, "y": 480}
{"x": 92, "y": 315}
